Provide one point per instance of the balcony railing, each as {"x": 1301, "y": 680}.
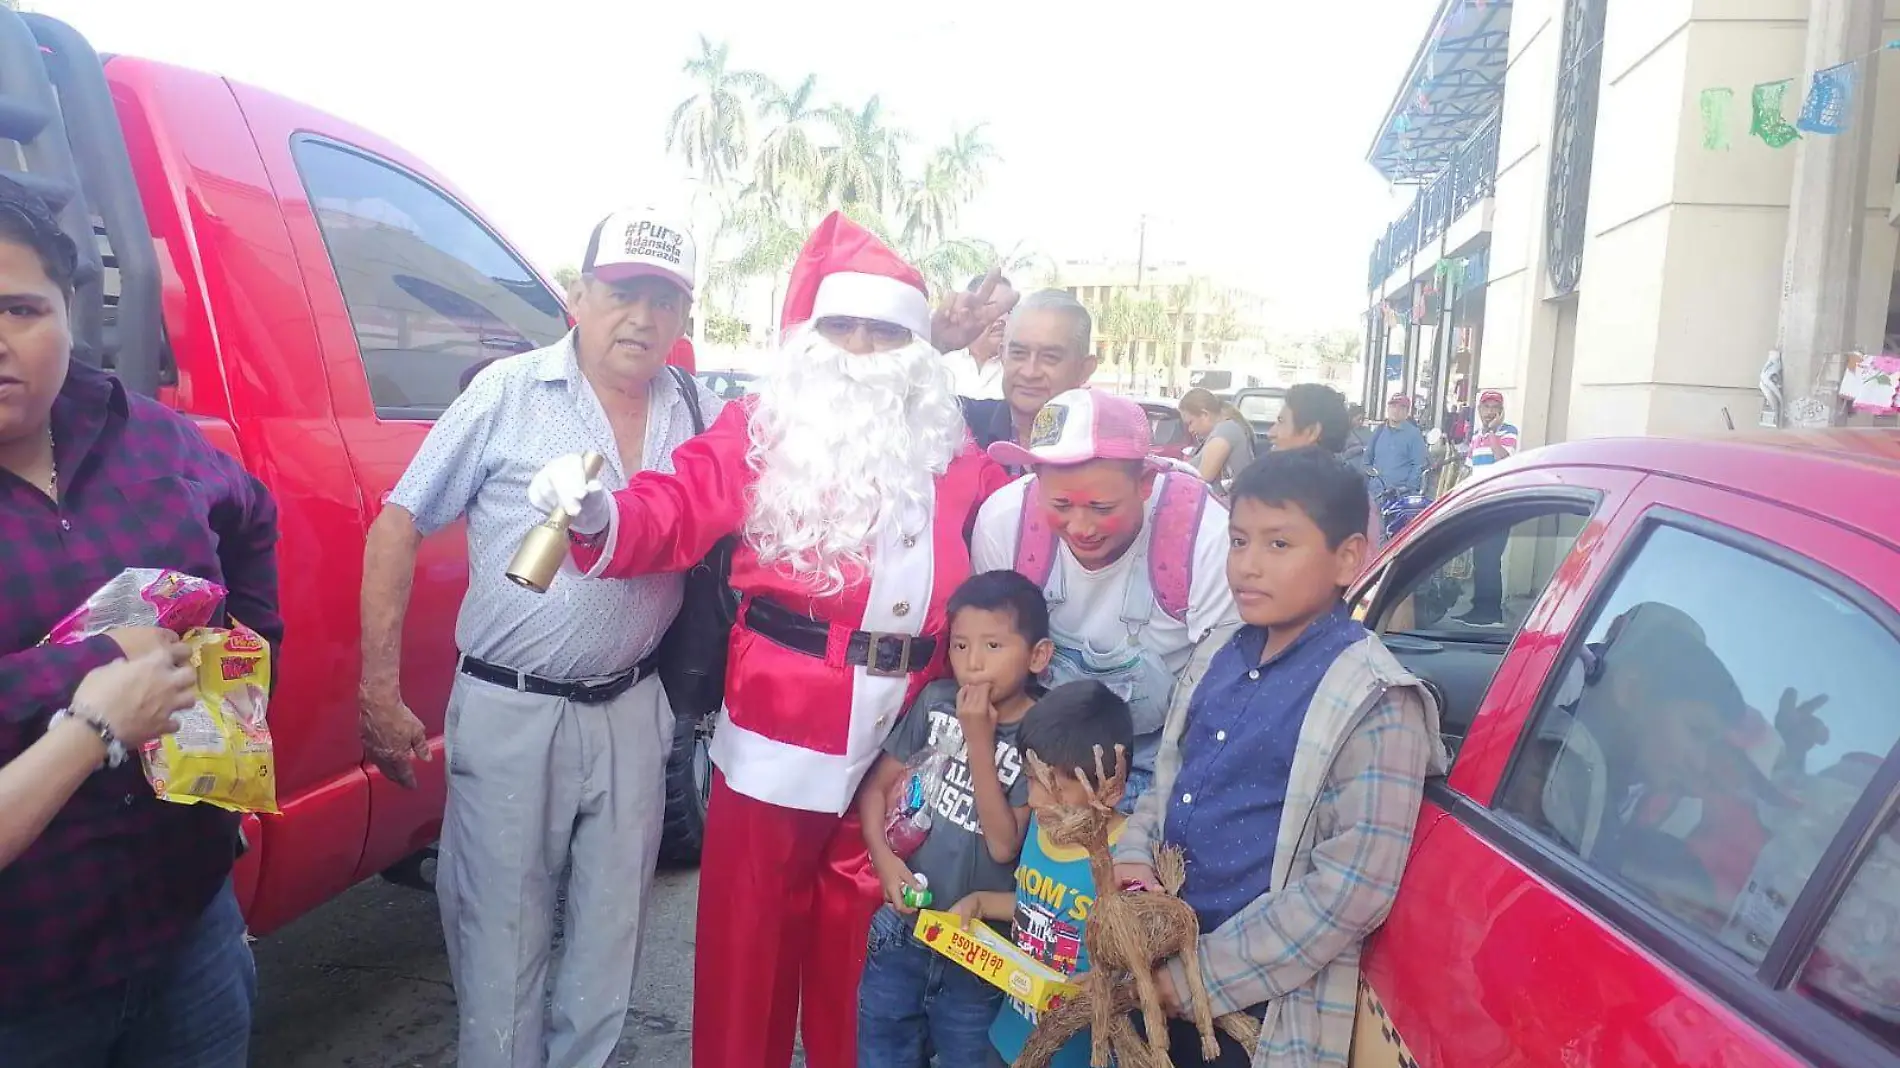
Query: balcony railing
{"x": 1471, "y": 176}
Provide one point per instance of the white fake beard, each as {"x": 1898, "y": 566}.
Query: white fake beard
{"x": 846, "y": 446}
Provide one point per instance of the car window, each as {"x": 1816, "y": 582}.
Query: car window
{"x": 1481, "y": 585}
{"x": 430, "y": 291}
{"x": 1458, "y": 596}
{"x": 1704, "y": 742}
{"x": 1855, "y": 967}
{"x": 1261, "y": 409}
{"x": 1165, "y": 427}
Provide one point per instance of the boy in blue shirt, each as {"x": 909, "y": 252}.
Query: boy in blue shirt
{"x": 912, "y": 998}
{"x": 1054, "y": 886}
{"x": 1293, "y": 780}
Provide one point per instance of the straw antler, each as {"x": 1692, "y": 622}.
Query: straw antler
{"x": 1111, "y": 784}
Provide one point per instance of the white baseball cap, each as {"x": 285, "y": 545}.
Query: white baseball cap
{"x": 641, "y": 243}
{"x": 1079, "y": 426}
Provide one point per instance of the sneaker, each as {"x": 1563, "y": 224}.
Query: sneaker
{"x": 1475, "y": 618}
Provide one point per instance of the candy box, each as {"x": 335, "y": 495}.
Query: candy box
{"x": 995, "y": 959}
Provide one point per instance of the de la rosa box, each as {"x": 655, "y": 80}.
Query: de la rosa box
{"x": 995, "y": 959}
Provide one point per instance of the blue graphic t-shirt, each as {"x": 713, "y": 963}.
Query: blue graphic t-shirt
{"x": 1054, "y": 893}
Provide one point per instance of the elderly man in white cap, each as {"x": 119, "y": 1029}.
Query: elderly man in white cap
{"x": 558, "y": 728}
{"x": 851, "y": 480}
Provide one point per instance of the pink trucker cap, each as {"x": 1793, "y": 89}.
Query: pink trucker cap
{"x": 1079, "y": 426}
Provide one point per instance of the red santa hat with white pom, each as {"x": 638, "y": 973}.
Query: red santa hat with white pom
{"x": 845, "y": 270}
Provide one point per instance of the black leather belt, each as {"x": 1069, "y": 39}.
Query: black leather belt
{"x": 582, "y": 693}
{"x": 881, "y": 654}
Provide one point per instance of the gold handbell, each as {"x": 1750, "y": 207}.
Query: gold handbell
{"x": 543, "y": 549}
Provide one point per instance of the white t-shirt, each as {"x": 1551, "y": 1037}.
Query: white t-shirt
{"x": 976, "y": 383}
{"x": 1092, "y": 607}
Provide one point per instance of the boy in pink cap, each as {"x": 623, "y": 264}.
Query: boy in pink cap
{"x": 1130, "y": 551}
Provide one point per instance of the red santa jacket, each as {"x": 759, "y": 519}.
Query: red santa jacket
{"x": 798, "y": 731}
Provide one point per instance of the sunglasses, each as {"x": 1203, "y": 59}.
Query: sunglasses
{"x": 838, "y": 328}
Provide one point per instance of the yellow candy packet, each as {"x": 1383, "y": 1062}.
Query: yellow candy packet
{"x": 221, "y": 753}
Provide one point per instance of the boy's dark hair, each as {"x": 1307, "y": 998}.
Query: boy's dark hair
{"x": 1005, "y": 591}
{"x": 1311, "y": 404}
{"x": 976, "y": 283}
{"x": 1064, "y": 728}
{"x": 1326, "y": 488}
{"x": 26, "y": 219}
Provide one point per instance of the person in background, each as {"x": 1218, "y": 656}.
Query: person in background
{"x": 1357, "y": 438}
{"x": 557, "y": 727}
{"x": 1317, "y": 417}
{"x": 123, "y": 942}
{"x": 1047, "y": 349}
{"x": 1225, "y": 435}
{"x": 1493, "y": 440}
{"x": 978, "y": 369}
{"x": 128, "y": 700}
{"x": 1396, "y": 455}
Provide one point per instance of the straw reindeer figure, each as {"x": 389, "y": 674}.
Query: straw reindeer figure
{"x": 1128, "y": 933}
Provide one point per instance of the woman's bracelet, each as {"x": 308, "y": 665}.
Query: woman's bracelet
{"x": 115, "y": 749}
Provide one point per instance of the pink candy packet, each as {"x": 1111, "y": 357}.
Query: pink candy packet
{"x": 142, "y": 597}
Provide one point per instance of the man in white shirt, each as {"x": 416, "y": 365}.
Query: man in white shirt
{"x": 1131, "y": 554}
{"x": 978, "y": 370}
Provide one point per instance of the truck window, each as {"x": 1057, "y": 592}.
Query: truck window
{"x": 1706, "y": 741}
{"x": 430, "y": 291}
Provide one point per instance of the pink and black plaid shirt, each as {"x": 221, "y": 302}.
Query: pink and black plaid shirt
{"x": 118, "y": 879}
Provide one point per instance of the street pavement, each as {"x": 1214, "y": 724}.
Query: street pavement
{"x": 363, "y": 983}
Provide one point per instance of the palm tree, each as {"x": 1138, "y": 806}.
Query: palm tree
{"x": 863, "y": 167}
{"x": 928, "y": 207}
{"x": 1152, "y": 323}
{"x": 965, "y": 157}
{"x": 949, "y": 264}
{"x": 708, "y": 129}
{"x": 786, "y": 167}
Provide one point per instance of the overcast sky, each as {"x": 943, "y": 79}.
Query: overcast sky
{"x": 1240, "y": 129}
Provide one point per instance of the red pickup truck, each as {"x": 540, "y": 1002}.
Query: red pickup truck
{"x": 311, "y": 294}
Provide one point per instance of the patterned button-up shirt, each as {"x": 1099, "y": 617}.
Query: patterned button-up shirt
{"x": 477, "y": 461}
{"x": 119, "y": 877}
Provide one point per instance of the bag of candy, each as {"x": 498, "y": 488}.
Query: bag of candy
{"x": 221, "y": 753}
{"x": 907, "y": 817}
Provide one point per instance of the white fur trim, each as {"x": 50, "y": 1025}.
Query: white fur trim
{"x": 792, "y": 777}
{"x": 873, "y": 296}
{"x": 607, "y": 543}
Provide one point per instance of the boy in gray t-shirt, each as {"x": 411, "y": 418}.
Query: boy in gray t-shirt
{"x": 978, "y": 808}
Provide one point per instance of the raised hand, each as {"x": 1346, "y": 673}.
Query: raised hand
{"x": 963, "y": 316}
{"x": 565, "y": 484}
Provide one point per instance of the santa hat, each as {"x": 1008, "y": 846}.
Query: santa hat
{"x": 845, "y": 270}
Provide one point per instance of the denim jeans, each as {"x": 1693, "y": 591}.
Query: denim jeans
{"x": 1139, "y": 782}
{"x": 195, "y": 1013}
{"x": 913, "y": 998}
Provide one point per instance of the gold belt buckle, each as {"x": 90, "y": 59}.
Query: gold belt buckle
{"x": 875, "y": 640}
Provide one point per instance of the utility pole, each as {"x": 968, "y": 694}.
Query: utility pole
{"x": 1827, "y": 213}
{"x": 1141, "y": 254}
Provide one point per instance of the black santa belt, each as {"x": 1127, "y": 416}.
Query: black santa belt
{"x": 881, "y": 654}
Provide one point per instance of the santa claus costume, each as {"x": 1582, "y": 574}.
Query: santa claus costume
{"x": 854, "y": 483}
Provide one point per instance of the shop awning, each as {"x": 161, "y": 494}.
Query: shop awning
{"x": 1456, "y": 83}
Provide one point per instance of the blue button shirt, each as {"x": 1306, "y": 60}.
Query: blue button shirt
{"x": 1236, "y": 757}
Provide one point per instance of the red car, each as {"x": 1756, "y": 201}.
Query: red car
{"x": 1668, "y": 836}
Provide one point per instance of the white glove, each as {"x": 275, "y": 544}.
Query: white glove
{"x": 564, "y": 484}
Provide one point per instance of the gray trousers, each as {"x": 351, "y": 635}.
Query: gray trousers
{"x": 539, "y": 785}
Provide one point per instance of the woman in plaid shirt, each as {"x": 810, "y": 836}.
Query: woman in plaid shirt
{"x": 1293, "y": 780}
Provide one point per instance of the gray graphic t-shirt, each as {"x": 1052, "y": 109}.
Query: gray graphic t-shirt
{"x": 954, "y": 858}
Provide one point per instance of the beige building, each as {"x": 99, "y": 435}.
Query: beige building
{"x": 1197, "y": 322}
{"x": 1574, "y": 243}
